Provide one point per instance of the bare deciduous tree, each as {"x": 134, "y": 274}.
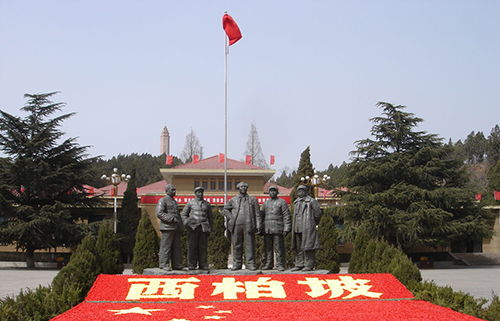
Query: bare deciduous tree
{"x": 192, "y": 146}
{"x": 254, "y": 148}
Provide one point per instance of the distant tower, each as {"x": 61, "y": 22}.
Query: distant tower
{"x": 165, "y": 141}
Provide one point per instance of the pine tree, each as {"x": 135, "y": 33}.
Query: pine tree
{"x": 305, "y": 169}
{"x": 42, "y": 176}
{"x": 327, "y": 256}
{"x": 146, "y": 246}
{"x": 128, "y": 219}
{"x": 493, "y": 149}
{"x": 218, "y": 245}
{"x": 108, "y": 249}
{"x": 406, "y": 188}
{"x": 81, "y": 270}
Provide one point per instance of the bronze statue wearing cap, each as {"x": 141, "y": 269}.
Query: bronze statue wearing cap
{"x": 243, "y": 220}
{"x": 305, "y": 238}
{"x": 197, "y": 219}
{"x": 167, "y": 210}
{"x": 276, "y": 225}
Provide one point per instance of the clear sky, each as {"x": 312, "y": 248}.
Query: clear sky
{"x": 305, "y": 72}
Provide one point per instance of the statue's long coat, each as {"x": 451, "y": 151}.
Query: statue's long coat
{"x": 311, "y": 214}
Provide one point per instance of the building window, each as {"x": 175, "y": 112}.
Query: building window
{"x": 221, "y": 185}
{"x": 196, "y": 183}
{"x": 229, "y": 185}
{"x": 213, "y": 185}
{"x": 204, "y": 184}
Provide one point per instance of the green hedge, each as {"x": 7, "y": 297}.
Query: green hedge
{"x": 146, "y": 246}
{"x": 71, "y": 284}
{"x": 378, "y": 256}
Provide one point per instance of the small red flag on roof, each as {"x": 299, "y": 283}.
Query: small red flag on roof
{"x": 248, "y": 159}
{"x": 496, "y": 195}
{"x": 170, "y": 160}
{"x": 231, "y": 28}
{"x": 221, "y": 158}
{"x": 196, "y": 159}
{"x": 272, "y": 160}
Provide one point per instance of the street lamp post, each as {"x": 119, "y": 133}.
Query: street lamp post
{"x": 315, "y": 181}
{"x": 116, "y": 179}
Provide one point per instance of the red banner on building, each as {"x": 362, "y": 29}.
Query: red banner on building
{"x": 214, "y": 200}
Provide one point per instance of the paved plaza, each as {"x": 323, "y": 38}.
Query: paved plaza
{"x": 478, "y": 281}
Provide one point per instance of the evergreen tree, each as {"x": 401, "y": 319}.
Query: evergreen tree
{"x": 493, "y": 149}
{"x": 254, "y": 149}
{"x": 128, "y": 219}
{"x": 108, "y": 249}
{"x": 44, "y": 174}
{"x": 305, "y": 169}
{"x": 372, "y": 255}
{"x": 406, "y": 188}
{"x": 338, "y": 176}
{"x": 145, "y": 166}
{"x": 458, "y": 151}
{"x": 218, "y": 245}
{"x": 81, "y": 270}
{"x": 146, "y": 246}
{"x": 493, "y": 184}
{"x": 475, "y": 147}
{"x": 327, "y": 257}
{"x": 286, "y": 178}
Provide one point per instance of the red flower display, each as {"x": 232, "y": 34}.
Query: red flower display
{"x": 254, "y": 297}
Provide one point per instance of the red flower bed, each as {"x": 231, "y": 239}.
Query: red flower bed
{"x": 257, "y": 297}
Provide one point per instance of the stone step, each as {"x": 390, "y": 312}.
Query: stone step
{"x": 472, "y": 259}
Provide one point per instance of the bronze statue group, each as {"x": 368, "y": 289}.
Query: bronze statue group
{"x": 244, "y": 218}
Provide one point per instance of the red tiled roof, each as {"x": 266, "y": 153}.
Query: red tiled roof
{"x": 154, "y": 188}
{"x": 107, "y": 190}
{"x": 281, "y": 189}
{"x": 213, "y": 163}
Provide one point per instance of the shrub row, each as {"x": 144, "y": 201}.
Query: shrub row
{"x": 377, "y": 256}
{"x": 71, "y": 284}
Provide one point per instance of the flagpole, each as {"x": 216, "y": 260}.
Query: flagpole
{"x": 225, "y": 117}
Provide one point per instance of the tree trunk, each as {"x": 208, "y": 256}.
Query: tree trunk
{"x": 30, "y": 259}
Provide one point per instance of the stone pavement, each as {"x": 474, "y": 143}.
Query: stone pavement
{"x": 478, "y": 281}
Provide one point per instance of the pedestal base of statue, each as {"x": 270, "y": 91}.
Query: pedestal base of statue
{"x": 158, "y": 271}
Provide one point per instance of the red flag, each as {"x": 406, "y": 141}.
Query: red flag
{"x": 272, "y": 160}
{"x": 478, "y": 197}
{"x": 221, "y": 158}
{"x": 231, "y": 28}
{"x": 170, "y": 160}
{"x": 196, "y": 159}
{"x": 496, "y": 195}
{"x": 248, "y": 159}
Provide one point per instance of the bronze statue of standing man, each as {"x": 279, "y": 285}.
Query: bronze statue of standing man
{"x": 197, "y": 219}
{"x": 243, "y": 220}
{"x": 171, "y": 229}
{"x": 305, "y": 238}
{"x": 277, "y": 224}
